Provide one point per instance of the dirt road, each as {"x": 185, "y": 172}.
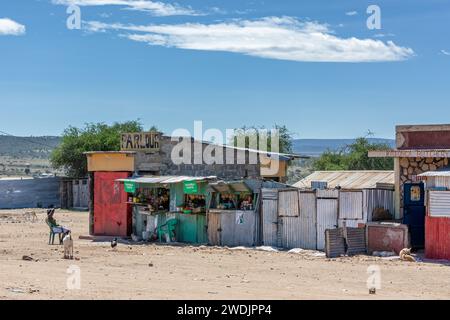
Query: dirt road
{"x": 166, "y": 272}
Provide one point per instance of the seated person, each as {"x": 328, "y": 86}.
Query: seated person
{"x": 56, "y": 228}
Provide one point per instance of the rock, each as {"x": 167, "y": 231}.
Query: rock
{"x": 404, "y": 162}
{"x": 425, "y": 167}
{"x": 433, "y": 167}
{"x": 429, "y": 160}
{"x": 27, "y": 258}
{"x": 446, "y": 162}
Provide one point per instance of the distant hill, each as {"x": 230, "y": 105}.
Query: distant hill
{"x": 315, "y": 147}
{"x": 41, "y": 147}
{"x": 28, "y": 147}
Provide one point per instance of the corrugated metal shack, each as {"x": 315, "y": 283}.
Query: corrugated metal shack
{"x": 74, "y": 193}
{"x": 234, "y": 214}
{"x": 437, "y": 220}
{"x": 298, "y": 217}
{"x": 185, "y": 200}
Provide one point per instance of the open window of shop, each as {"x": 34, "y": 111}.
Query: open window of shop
{"x": 233, "y": 196}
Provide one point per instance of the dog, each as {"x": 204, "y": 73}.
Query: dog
{"x": 68, "y": 246}
{"x": 30, "y": 216}
{"x": 405, "y": 255}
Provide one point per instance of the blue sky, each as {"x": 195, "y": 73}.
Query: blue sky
{"x": 229, "y": 63}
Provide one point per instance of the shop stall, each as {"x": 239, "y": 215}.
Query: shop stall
{"x": 233, "y": 213}
{"x": 180, "y": 201}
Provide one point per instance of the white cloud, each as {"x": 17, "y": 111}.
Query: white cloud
{"x": 447, "y": 53}
{"x": 154, "y": 7}
{"x": 351, "y": 13}
{"x": 384, "y": 35}
{"x": 9, "y": 27}
{"x": 282, "y": 38}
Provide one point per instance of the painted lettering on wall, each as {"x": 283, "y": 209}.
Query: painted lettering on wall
{"x": 141, "y": 141}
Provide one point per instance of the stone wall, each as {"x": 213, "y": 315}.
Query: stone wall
{"x": 161, "y": 163}
{"x": 411, "y": 167}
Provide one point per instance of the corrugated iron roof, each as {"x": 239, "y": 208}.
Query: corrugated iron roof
{"x": 349, "y": 179}
{"x": 438, "y": 173}
{"x": 165, "y": 179}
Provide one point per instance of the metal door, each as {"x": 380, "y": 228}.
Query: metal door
{"x": 414, "y": 213}
{"x": 327, "y": 215}
{"x": 270, "y": 222}
{"x": 214, "y": 229}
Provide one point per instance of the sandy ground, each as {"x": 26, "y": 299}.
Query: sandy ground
{"x": 185, "y": 272}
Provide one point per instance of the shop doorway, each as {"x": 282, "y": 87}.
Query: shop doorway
{"x": 414, "y": 213}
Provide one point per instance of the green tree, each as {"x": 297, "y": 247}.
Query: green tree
{"x": 354, "y": 157}
{"x": 69, "y": 155}
{"x": 253, "y": 133}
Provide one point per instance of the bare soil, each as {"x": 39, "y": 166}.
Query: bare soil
{"x": 186, "y": 272}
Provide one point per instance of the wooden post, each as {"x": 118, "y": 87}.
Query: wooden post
{"x": 91, "y": 203}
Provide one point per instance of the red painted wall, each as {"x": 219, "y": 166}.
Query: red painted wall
{"x": 426, "y": 140}
{"x": 437, "y": 238}
{"x": 387, "y": 237}
{"x": 112, "y": 214}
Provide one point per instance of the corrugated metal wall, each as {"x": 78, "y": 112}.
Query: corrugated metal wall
{"x": 377, "y": 198}
{"x": 112, "y": 214}
{"x": 29, "y": 193}
{"x": 233, "y": 228}
{"x": 437, "y": 238}
{"x": 439, "y": 203}
{"x": 269, "y": 217}
{"x": 438, "y": 182}
{"x": 288, "y": 204}
{"x": 351, "y": 205}
{"x": 328, "y": 193}
{"x": 301, "y": 232}
{"x": 327, "y": 216}
{"x": 245, "y": 232}
{"x": 80, "y": 189}
{"x": 317, "y": 212}
{"x": 214, "y": 229}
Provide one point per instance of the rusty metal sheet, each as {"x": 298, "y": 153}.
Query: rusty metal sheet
{"x": 356, "y": 241}
{"x": 335, "y": 243}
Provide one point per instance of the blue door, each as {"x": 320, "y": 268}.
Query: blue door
{"x": 414, "y": 213}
